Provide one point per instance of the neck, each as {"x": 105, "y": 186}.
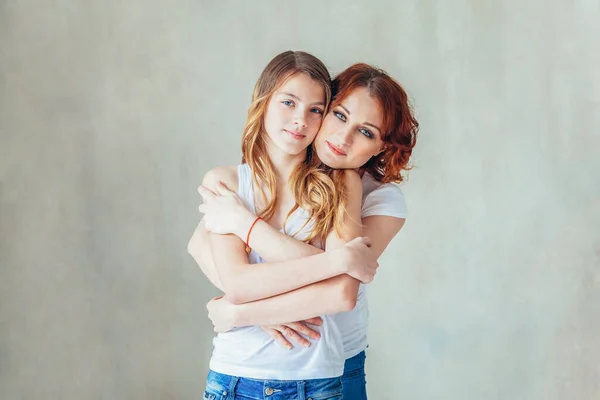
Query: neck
{"x": 283, "y": 163}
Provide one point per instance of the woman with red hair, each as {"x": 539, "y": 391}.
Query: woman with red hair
{"x": 369, "y": 127}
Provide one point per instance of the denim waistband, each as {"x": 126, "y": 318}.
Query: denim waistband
{"x": 355, "y": 363}
{"x": 224, "y": 385}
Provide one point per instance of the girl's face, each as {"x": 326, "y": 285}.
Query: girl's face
{"x": 294, "y": 114}
{"x": 351, "y": 132}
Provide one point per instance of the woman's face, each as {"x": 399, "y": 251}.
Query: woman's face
{"x": 351, "y": 132}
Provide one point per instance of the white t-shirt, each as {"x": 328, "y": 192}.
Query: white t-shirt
{"x": 251, "y": 353}
{"x": 378, "y": 199}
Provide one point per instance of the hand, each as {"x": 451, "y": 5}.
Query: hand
{"x": 224, "y": 211}
{"x": 281, "y": 333}
{"x": 357, "y": 259}
{"x": 222, "y": 314}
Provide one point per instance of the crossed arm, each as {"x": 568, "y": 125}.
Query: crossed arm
{"x": 243, "y": 282}
{"x": 330, "y": 295}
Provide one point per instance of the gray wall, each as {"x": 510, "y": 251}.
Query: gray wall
{"x": 111, "y": 112}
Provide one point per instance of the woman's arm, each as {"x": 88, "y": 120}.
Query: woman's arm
{"x": 244, "y": 282}
{"x": 326, "y": 297}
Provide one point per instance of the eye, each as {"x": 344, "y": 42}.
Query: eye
{"x": 340, "y": 116}
{"x": 316, "y": 111}
{"x": 367, "y": 133}
{"x": 288, "y": 103}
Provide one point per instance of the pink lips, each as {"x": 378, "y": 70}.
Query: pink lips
{"x": 297, "y": 136}
{"x": 336, "y": 150}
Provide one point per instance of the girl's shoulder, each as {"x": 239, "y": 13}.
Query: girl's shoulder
{"x": 226, "y": 174}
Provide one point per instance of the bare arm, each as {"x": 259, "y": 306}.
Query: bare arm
{"x": 228, "y": 214}
{"x": 273, "y": 245}
{"x": 244, "y": 282}
{"x": 330, "y": 296}
{"x": 199, "y": 248}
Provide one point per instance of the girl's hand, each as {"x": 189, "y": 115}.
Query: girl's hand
{"x": 222, "y": 314}
{"x": 224, "y": 211}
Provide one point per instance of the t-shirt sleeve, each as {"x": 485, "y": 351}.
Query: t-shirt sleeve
{"x": 387, "y": 200}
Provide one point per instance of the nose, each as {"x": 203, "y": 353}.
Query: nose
{"x": 300, "y": 118}
{"x": 346, "y": 136}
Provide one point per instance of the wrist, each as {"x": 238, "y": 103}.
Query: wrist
{"x": 246, "y": 220}
{"x": 237, "y": 315}
{"x": 338, "y": 259}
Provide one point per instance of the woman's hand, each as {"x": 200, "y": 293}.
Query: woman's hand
{"x": 285, "y": 333}
{"x": 357, "y": 260}
{"x": 224, "y": 211}
{"x": 222, "y": 314}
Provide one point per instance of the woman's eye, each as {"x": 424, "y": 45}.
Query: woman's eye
{"x": 366, "y": 133}
{"x": 288, "y": 103}
{"x": 316, "y": 111}
{"x": 340, "y": 116}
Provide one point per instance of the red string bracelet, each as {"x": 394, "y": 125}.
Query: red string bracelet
{"x": 248, "y": 249}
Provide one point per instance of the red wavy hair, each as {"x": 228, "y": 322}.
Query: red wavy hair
{"x": 399, "y": 125}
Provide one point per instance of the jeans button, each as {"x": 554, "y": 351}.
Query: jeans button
{"x": 269, "y": 391}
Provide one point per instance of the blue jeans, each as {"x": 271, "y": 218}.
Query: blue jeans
{"x": 354, "y": 383}
{"x": 225, "y": 387}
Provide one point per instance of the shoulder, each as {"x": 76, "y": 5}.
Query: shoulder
{"x": 386, "y": 200}
{"x": 228, "y": 175}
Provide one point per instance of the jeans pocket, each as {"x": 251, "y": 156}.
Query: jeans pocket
{"x": 212, "y": 394}
{"x": 209, "y": 396}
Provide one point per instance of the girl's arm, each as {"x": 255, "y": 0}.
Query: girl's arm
{"x": 199, "y": 248}
{"x": 228, "y": 214}
{"x": 326, "y": 297}
{"x": 244, "y": 282}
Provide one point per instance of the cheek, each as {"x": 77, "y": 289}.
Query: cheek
{"x": 364, "y": 149}
{"x": 327, "y": 128}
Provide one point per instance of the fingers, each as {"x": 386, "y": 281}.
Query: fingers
{"x": 302, "y": 328}
{"x": 318, "y": 321}
{"x": 206, "y": 193}
{"x": 223, "y": 190}
{"x": 362, "y": 240}
{"x": 366, "y": 241}
{"x": 292, "y": 335}
{"x": 279, "y": 339}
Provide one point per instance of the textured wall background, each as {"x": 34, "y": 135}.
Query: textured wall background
{"x": 111, "y": 112}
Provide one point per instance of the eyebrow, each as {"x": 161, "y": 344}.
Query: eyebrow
{"x": 364, "y": 123}
{"x": 318, "y": 103}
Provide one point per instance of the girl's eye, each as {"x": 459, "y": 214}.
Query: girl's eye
{"x": 316, "y": 111}
{"x": 366, "y": 133}
{"x": 288, "y": 103}
{"x": 340, "y": 116}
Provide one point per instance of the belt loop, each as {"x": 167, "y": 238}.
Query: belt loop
{"x": 301, "y": 390}
{"x": 232, "y": 384}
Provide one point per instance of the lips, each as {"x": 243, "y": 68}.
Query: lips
{"x": 295, "y": 135}
{"x": 336, "y": 150}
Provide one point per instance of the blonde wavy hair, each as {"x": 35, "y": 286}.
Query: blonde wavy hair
{"x": 316, "y": 189}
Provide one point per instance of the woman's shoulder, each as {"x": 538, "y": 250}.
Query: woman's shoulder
{"x": 385, "y": 199}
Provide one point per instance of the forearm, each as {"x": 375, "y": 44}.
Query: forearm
{"x": 331, "y": 296}
{"x": 244, "y": 282}
{"x": 199, "y": 249}
{"x": 275, "y": 246}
